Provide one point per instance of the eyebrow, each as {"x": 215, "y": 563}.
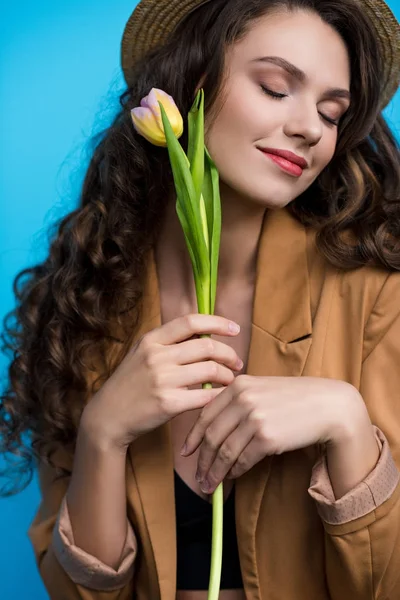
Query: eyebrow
{"x": 300, "y": 75}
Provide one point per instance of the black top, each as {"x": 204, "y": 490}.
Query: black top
{"x": 194, "y": 532}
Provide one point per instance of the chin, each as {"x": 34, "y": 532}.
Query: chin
{"x": 270, "y": 198}
{"x": 266, "y": 194}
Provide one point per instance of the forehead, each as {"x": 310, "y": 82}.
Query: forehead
{"x": 302, "y": 38}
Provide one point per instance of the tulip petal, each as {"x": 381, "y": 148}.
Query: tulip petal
{"x": 166, "y": 100}
{"x": 140, "y": 113}
{"x": 174, "y": 116}
{"x": 144, "y": 102}
{"x": 147, "y": 117}
{"x": 147, "y": 126}
{"x": 152, "y": 103}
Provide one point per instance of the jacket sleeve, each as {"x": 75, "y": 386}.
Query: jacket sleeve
{"x": 362, "y": 529}
{"x": 68, "y": 572}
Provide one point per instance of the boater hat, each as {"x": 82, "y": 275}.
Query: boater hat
{"x": 153, "y": 21}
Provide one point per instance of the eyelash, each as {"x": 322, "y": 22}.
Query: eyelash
{"x": 278, "y": 96}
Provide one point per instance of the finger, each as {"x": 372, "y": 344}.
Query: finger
{"x": 207, "y": 416}
{"x": 205, "y": 349}
{"x": 184, "y": 400}
{"x": 198, "y": 373}
{"x": 185, "y": 327}
{"x": 250, "y": 456}
{"x": 227, "y": 456}
{"x": 214, "y": 447}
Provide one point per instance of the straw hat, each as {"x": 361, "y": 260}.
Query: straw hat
{"x": 153, "y": 20}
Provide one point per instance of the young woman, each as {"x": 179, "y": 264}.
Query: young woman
{"x": 303, "y": 422}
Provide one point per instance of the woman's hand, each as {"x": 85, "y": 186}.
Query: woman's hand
{"x": 150, "y": 386}
{"x": 259, "y": 416}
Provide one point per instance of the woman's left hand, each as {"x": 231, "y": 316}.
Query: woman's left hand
{"x": 258, "y": 416}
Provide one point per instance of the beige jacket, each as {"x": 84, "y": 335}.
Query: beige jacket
{"x": 295, "y": 541}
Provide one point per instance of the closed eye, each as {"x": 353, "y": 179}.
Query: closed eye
{"x": 279, "y": 96}
{"x": 272, "y": 93}
{"x": 330, "y": 121}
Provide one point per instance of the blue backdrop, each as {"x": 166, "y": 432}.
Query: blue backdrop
{"x": 60, "y": 79}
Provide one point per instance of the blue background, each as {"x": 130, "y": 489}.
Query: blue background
{"x": 60, "y": 80}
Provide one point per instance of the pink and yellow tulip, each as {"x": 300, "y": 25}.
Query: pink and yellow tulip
{"x": 147, "y": 118}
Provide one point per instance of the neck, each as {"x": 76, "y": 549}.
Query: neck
{"x": 241, "y": 227}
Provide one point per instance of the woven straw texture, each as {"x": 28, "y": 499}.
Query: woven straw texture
{"x": 153, "y": 20}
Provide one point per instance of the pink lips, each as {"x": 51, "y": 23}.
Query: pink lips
{"x": 286, "y": 160}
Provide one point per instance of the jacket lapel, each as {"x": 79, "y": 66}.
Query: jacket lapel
{"x": 279, "y": 346}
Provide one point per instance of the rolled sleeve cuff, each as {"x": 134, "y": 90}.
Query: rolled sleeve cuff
{"x": 373, "y": 491}
{"x": 83, "y": 568}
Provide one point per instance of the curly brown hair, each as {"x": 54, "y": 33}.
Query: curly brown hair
{"x": 77, "y": 310}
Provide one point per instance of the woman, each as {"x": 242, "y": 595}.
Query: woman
{"x": 303, "y": 424}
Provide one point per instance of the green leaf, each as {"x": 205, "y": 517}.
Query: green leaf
{"x": 202, "y": 283}
{"x": 196, "y": 141}
{"x": 186, "y": 231}
{"x": 215, "y": 238}
{"x": 188, "y": 239}
{"x": 204, "y": 222}
{"x": 208, "y": 194}
{"x": 187, "y": 197}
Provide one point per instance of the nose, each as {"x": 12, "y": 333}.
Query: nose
{"x": 304, "y": 121}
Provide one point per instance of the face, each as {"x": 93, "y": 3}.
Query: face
{"x": 291, "y": 101}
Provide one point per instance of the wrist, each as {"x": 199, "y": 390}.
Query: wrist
{"x": 97, "y": 428}
{"x": 349, "y": 420}
{"x": 352, "y": 451}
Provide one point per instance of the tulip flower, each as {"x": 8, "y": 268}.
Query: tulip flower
{"x": 198, "y": 206}
{"x": 147, "y": 117}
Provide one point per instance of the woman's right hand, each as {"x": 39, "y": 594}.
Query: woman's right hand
{"x": 150, "y": 386}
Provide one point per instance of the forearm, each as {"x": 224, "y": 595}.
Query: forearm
{"x": 96, "y": 496}
{"x": 352, "y": 453}
{"x": 363, "y": 523}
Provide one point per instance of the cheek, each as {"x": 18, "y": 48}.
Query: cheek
{"x": 228, "y": 138}
{"x": 233, "y": 121}
{"x": 243, "y": 118}
{"x": 240, "y": 124}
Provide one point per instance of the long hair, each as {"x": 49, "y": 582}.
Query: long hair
{"x": 61, "y": 337}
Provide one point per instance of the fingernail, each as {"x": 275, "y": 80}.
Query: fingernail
{"x": 198, "y": 476}
{"x": 234, "y": 327}
{"x": 239, "y": 364}
{"x": 205, "y": 487}
{"x": 184, "y": 450}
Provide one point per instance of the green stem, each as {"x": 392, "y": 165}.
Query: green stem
{"x": 216, "y": 544}
{"x": 217, "y": 532}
